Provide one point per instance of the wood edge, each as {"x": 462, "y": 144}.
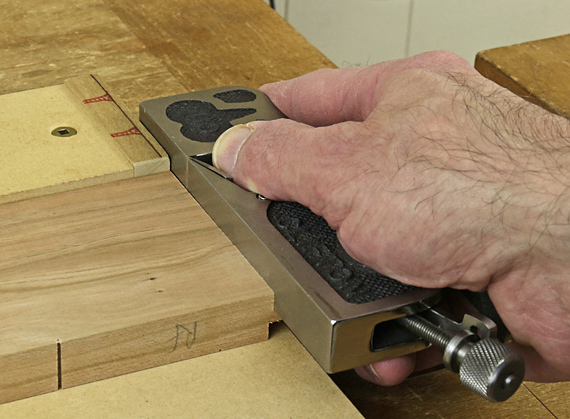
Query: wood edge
{"x": 165, "y": 341}
{"x": 151, "y": 167}
{"x": 489, "y": 69}
{"x": 66, "y": 186}
{"x": 275, "y": 318}
{"x": 134, "y": 142}
{"x": 39, "y": 366}
{"x": 134, "y": 120}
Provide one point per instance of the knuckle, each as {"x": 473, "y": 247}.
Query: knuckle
{"x": 439, "y": 59}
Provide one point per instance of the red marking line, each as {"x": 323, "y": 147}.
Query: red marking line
{"x": 132, "y": 131}
{"x": 105, "y": 98}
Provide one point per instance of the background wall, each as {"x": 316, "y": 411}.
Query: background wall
{"x": 360, "y": 32}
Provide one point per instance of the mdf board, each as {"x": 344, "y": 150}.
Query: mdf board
{"x": 115, "y": 278}
{"x": 69, "y": 136}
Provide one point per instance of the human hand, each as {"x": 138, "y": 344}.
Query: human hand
{"x": 435, "y": 176}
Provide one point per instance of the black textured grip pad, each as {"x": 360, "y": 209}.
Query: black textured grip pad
{"x": 201, "y": 121}
{"x": 313, "y": 238}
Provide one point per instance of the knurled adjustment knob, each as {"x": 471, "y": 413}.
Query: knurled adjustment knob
{"x": 492, "y": 370}
{"x": 486, "y": 366}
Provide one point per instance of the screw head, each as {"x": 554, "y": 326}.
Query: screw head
{"x": 64, "y": 132}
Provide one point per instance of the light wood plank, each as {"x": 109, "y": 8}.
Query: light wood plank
{"x": 137, "y": 145}
{"x": 29, "y": 372}
{"x": 123, "y": 276}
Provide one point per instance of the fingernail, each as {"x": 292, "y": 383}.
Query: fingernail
{"x": 374, "y": 373}
{"x": 369, "y": 373}
{"x": 227, "y": 147}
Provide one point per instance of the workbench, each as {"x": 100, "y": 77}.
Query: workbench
{"x": 151, "y": 48}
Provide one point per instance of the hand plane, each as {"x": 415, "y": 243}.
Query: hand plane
{"x": 343, "y": 312}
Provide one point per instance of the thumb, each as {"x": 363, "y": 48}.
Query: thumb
{"x": 290, "y": 161}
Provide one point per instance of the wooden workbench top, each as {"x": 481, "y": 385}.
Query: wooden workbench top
{"x": 150, "y": 48}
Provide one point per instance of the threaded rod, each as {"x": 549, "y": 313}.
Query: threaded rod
{"x": 426, "y": 330}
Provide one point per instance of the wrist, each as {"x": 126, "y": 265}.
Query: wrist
{"x": 540, "y": 182}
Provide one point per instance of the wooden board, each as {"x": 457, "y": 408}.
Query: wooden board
{"x": 272, "y": 379}
{"x": 106, "y": 146}
{"x": 115, "y": 278}
{"x": 52, "y": 41}
{"x": 128, "y": 135}
{"x": 554, "y": 396}
{"x": 230, "y": 42}
{"x": 539, "y": 71}
{"x": 134, "y": 46}
{"x": 439, "y": 395}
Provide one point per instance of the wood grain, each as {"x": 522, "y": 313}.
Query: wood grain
{"x": 208, "y": 44}
{"x": 50, "y": 41}
{"x": 539, "y": 71}
{"x": 435, "y": 395}
{"x": 136, "y": 144}
{"x": 145, "y": 50}
{"x": 120, "y": 276}
{"x": 554, "y": 396}
{"x": 28, "y": 372}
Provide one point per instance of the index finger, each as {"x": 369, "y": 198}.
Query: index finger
{"x": 326, "y": 97}
{"x": 330, "y": 96}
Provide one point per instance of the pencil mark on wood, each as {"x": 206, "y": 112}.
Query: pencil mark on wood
{"x": 185, "y": 336}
